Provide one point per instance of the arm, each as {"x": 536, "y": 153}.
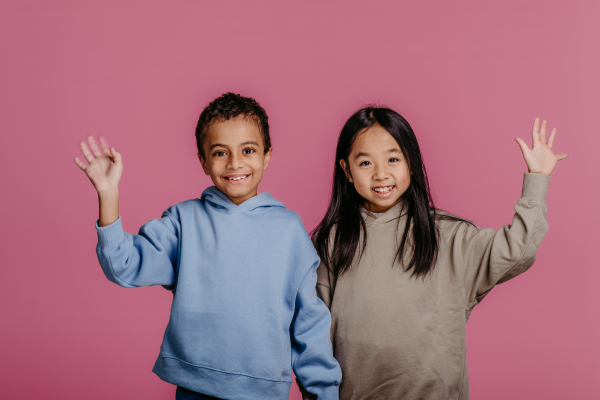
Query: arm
{"x": 128, "y": 260}
{"x": 491, "y": 257}
{"x": 146, "y": 259}
{"x": 324, "y": 292}
{"x": 312, "y": 356}
{"x": 325, "y": 286}
{"x": 487, "y": 257}
{"x": 325, "y": 279}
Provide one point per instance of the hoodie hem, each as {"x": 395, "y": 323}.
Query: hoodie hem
{"x": 228, "y": 385}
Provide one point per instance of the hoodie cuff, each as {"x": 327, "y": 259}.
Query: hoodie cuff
{"x": 326, "y": 392}
{"x": 535, "y": 187}
{"x": 110, "y": 236}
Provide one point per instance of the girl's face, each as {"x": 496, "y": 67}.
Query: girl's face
{"x": 378, "y": 169}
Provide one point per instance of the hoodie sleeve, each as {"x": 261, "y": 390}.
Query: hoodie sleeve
{"x": 325, "y": 279}
{"x": 312, "y": 354}
{"x": 487, "y": 257}
{"x": 146, "y": 259}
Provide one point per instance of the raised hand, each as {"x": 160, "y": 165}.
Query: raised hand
{"x": 105, "y": 165}
{"x": 540, "y": 158}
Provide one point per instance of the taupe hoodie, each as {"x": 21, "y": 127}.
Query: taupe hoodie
{"x": 400, "y": 337}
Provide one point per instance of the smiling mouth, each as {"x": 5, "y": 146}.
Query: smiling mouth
{"x": 237, "y": 178}
{"x": 383, "y": 189}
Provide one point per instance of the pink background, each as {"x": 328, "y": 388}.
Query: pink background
{"x": 468, "y": 75}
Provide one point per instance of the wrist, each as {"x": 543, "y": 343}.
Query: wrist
{"x": 540, "y": 172}
{"x": 109, "y": 193}
{"x": 109, "y": 207}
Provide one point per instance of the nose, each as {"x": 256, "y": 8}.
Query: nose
{"x": 235, "y": 162}
{"x": 380, "y": 173}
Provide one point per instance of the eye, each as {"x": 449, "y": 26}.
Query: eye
{"x": 394, "y": 159}
{"x": 365, "y": 163}
{"x": 219, "y": 153}
{"x": 248, "y": 151}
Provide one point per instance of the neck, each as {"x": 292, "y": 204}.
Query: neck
{"x": 237, "y": 200}
{"x": 374, "y": 208}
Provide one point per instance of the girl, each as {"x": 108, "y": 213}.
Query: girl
{"x": 402, "y": 277}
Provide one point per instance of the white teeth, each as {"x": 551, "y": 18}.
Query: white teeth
{"x": 384, "y": 189}
{"x": 238, "y": 178}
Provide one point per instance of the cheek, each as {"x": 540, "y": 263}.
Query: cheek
{"x": 213, "y": 166}
{"x": 362, "y": 182}
{"x": 404, "y": 177}
{"x": 218, "y": 165}
{"x": 255, "y": 165}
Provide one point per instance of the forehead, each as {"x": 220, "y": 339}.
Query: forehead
{"x": 233, "y": 132}
{"x": 374, "y": 140}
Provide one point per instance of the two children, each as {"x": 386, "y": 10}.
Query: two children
{"x": 399, "y": 276}
{"x": 241, "y": 267}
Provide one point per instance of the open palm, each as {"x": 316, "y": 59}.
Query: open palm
{"x": 540, "y": 158}
{"x": 105, "y": 165}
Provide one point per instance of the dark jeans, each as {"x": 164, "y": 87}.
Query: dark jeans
{"x": 184, "y": 394}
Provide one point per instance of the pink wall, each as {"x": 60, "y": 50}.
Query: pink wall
{"x": 468, "y": 75}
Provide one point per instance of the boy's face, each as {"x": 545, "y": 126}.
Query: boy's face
{"x": 235, "y": 157}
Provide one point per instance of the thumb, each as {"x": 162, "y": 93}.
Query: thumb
{"x": 116, "y": 155}
{"x": 523, "y": 146}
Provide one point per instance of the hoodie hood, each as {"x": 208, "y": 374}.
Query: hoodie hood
{"x": 394, "y": 213}
{"x": 257, "y": 204}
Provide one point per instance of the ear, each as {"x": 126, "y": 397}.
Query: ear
{"x": 203, "y": 163}
{"x": 267, "y": 159}
{"x": 346, "y": 170}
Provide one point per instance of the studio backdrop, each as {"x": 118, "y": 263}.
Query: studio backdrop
{"x": 469, "y": 76}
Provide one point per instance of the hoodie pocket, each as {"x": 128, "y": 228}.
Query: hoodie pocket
{"x": 237, "y": 344}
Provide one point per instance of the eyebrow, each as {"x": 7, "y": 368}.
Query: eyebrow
{"x": 243, "y": 144}
{"x": 367, "y": 154}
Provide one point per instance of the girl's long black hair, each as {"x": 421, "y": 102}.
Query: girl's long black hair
{"x": 344, "y": 212}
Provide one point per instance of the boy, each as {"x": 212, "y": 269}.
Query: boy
{"x": 240, "y": 265}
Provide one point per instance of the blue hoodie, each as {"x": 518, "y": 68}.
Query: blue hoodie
{"x": 244, "y": 308}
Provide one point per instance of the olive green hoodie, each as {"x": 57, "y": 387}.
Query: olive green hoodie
{"x": 401, "y": 337}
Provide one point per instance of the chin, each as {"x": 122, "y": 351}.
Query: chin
{"x": 236, "y": 193}
{"x": 384, "y": 204}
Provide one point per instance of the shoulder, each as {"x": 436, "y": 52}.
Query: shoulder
{"x": 295, "y": 224}
{"x": 183, "y": 209}
{"x": 292, "y": 216}
{"x": 285, "y": 216}
{"x": 450, "y": 225}
{"x": 320, "y": 238}
{"x": 292, "y": 224}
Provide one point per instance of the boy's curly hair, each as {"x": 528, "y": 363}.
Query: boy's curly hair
{"x": 228, "y": 106}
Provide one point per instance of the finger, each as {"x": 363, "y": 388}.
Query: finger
{"x": 86, "y": 152}
{"x": 535, "y": 132}
{"x": 562, "y": 156}
{"x": 104, "y": 145}
{"x": 116, "y": 156}
{"x": 94, "y": 146}
{"x": 81, "y": 165}
{"x": 543, "y": 132}
{"x": 523, "y": 146}
{"x": 551, "y": 139}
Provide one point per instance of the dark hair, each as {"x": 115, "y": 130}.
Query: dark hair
{"x": 344, "y": 208}
{"x": 228, "y": 106}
